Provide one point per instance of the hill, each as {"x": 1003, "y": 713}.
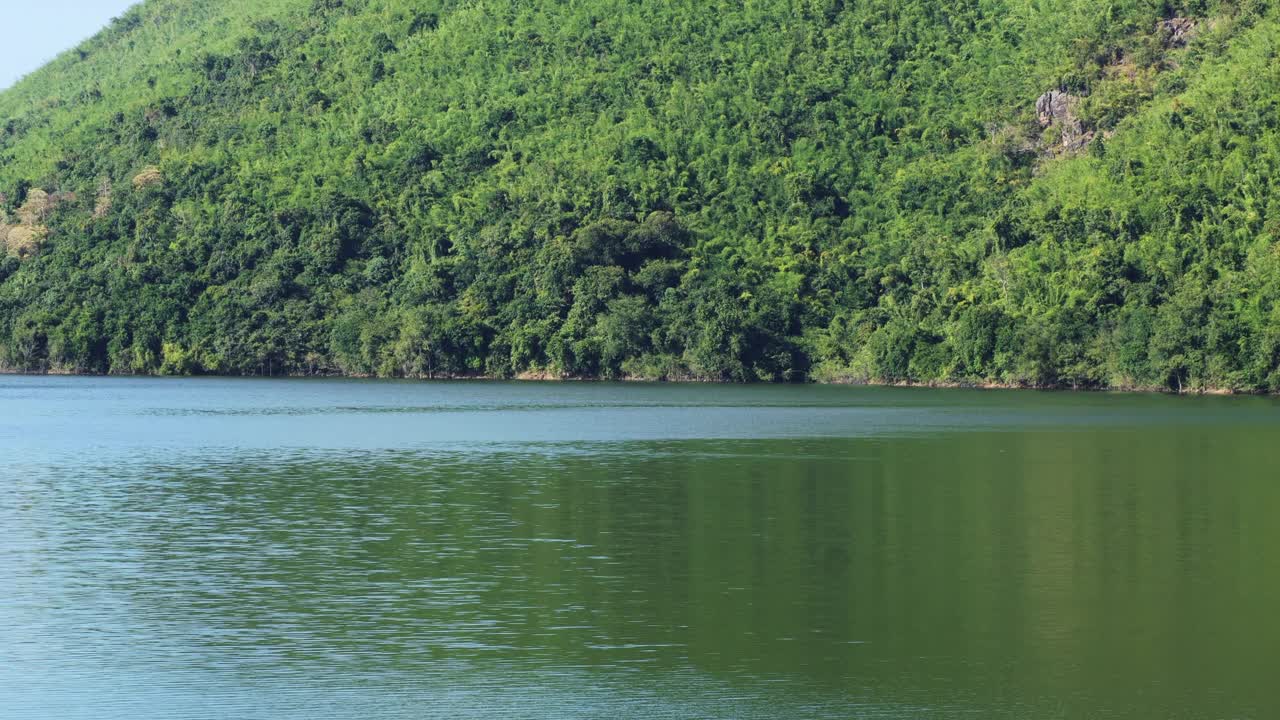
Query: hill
{"x": 1023, "y": 192}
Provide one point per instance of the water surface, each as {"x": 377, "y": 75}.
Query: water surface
{"x": 207, "y": 548}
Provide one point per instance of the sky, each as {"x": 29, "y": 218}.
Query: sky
{"x": 37, "y": 30}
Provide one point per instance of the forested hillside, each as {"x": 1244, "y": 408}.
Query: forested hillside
{"x": 1030, "y": 192}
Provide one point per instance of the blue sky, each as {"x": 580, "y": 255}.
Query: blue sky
{"x": 36, "y": 31}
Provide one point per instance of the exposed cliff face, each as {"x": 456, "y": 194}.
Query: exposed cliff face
{"x": 1060, "y": 114}
{"x": 1177, "y": 32}
{"x": 1058, "y": 110}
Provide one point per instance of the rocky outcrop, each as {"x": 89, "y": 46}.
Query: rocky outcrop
{"x": 1054, "y": 106}
{"x": 1057, "y": 109}
{"x": 1177, "y": 32}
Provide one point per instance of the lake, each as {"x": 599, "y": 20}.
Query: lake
{"x": 212, "y": 548}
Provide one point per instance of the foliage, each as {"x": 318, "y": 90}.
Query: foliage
{"x": 774, "y": 190}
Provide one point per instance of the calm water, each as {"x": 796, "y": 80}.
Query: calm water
{"x": 339, "y": 549}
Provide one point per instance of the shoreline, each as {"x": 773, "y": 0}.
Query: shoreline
{"x": 547, "y": 377}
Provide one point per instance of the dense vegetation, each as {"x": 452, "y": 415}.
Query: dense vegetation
{"x": 777, "y": 189}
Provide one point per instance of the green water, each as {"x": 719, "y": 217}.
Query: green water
{"x": 338, "y": 549}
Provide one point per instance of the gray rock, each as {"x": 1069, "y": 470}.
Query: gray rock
{"x": 1177, "y": 32}
{"x": 1057, "y": 108}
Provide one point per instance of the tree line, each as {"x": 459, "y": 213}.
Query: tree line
{"x": 780, "y": 191}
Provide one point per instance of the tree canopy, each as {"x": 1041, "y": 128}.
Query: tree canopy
{"x": 761, "y": 190}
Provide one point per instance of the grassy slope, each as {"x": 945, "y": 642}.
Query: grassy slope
{"x": 845, "y": 190}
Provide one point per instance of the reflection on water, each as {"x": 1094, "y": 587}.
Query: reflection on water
{"x": 391, "y": 550}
